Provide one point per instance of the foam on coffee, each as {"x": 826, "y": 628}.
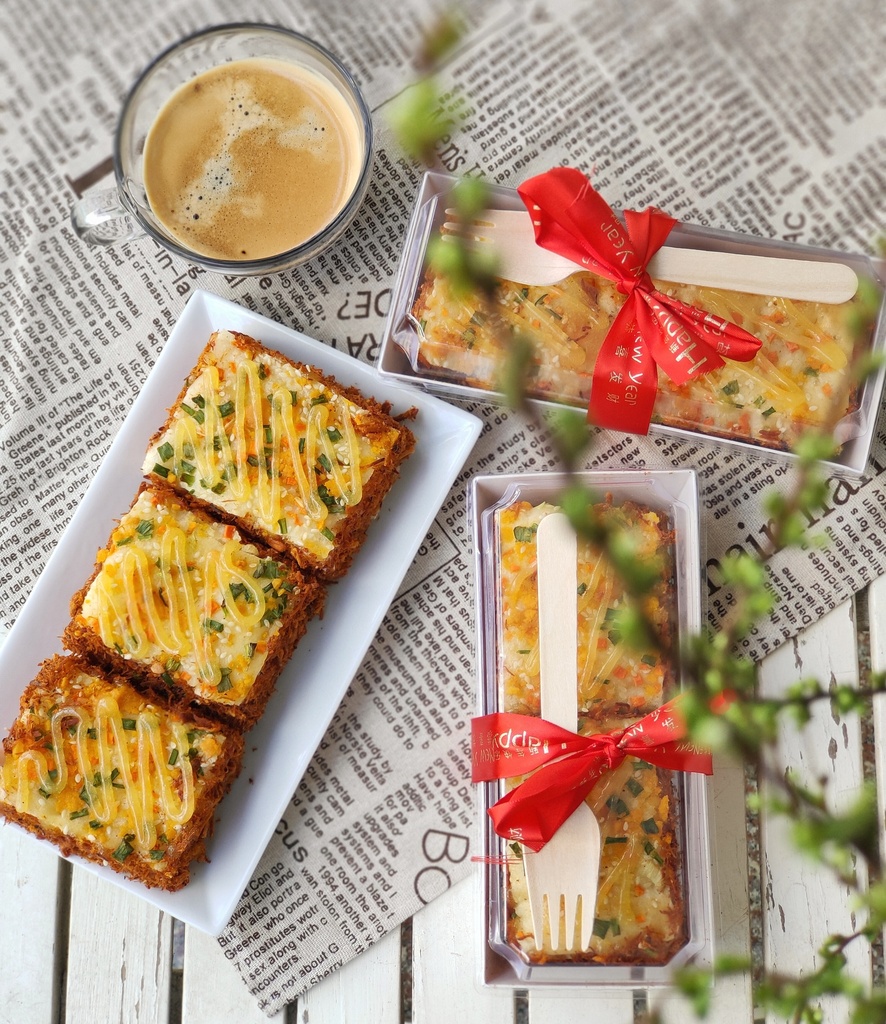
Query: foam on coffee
{"x": 251, "y": 158}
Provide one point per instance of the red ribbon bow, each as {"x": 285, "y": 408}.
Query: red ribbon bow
{"x": 651, "y": 329}
{"x": 569, "y": 765}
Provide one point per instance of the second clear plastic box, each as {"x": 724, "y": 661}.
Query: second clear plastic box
{"x": 672, "y": 497}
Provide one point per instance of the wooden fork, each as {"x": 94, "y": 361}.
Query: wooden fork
{"x": 566, "y": 870}
{"x": 510, "y": 234}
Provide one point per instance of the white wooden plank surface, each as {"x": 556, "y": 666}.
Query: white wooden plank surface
{"x": 29, "y": 884}
{"x": 732, "y": 1000}
{"x": 366, "y": 989}
{"x": 213, "y": 990}
{"x": 120, "y": 956}
{"x": 877, "y": 622}
{"x": 803, "y": 903}
{"x": 603, "y": 1007}
{"x": 444, "y": 964}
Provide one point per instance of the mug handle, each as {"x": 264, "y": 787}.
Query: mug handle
{"x": 101, "y": 219}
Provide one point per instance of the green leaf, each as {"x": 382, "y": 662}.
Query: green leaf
{"x": 572, "y": 431}
{"x": 515, "y": 370}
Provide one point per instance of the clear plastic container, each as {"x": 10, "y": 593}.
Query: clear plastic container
{"x": 653, "y": 907}
{"x": 444, "y": 344}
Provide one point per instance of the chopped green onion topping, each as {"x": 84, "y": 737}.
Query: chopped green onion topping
{"x": 160, "y": 470}
{"x": 649, "y": 659}
{"x": 649, "y": 826}
{"x": 92, "y": 733}
{"x": 769, "y": 411}
{"x": 199, "y": 401}
{"x": 267, "y": 569}
{"x": 613, "y": 840}
{"x": 166, "y": 451}
{"x": 653, "y": 853}
{"x": 225, "y": 683}
{"x": 250, "y": 650}
{"x": 122, "y": 851}
{"x": 602, "y": 925}
{"x": 582, "y": 588}
{"x": 158, "y": 854}
{"x": 634, "y": 786}
{"x": 173, "y": 757}
{"x": 319, "y": 399}
{"x": 301, "y": 446}
{"x": 616, "y": 804}
{"x": 262, "y": 371}
{"x": 128, "y": 723}
{"x": 126, "y": 540}
{"x": 225, "y": 409}
{"x": 213, "y": 626}
{"x": 329, "y": 500}
{"x": 252, "y": 460}
{"x": 281, "y": 524}
{"x": 95, "y": 823}
{"x": 324, "y": 462}
{"x": 333, "y": 433}
{"x": 145, "y": 528}
{"x": 79, "y": 814}
{"x": 197, "y": 414}
{"x": 525, "y": 534}
{"x": 327, "y": 533}
{"x": 731, "y": 388}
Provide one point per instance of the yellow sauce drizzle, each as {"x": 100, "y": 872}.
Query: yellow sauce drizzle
{"x": 134, "y": 612}
{"x": 221, "y": 446}
{"x": 148, "y": 790}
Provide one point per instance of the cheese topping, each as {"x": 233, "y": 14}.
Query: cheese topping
{"x": 188, "y": 597}
{"x": 260, "y": 438}
{"x": 101, "y": 763}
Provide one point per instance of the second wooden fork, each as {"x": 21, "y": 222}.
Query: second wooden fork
{"x": 564, "y": 873}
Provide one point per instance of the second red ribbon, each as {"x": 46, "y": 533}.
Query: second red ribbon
{"x": 565, "y": 766}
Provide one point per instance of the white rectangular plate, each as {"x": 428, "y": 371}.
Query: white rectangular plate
{"x": 313, "y": 683}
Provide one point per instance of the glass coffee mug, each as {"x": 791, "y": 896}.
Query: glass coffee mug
{"x": 302, "y": 101}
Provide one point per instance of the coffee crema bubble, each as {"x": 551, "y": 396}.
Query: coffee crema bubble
{"x": 250, "y": 159}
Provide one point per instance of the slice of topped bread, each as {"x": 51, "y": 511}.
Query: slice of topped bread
{"x": 281, "y": 450}
{"x": 640, "y": 909}
{"x": 190, "y": 611}
{"x": 105, "y": 773}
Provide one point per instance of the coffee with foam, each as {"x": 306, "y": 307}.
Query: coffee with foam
{"x": 250, "y": 159}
